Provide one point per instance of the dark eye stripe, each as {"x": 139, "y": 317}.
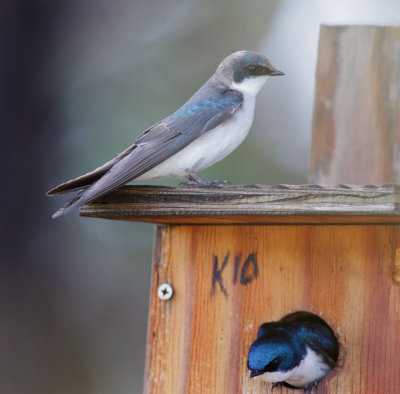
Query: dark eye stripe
{"x": 251, "y": 70}
{"x": 258, "y": 70}
{"x": 273, "y": 365}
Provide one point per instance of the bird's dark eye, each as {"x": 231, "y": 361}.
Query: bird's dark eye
{"x": 252, "y": 69}
{"x": 273, "y": 365}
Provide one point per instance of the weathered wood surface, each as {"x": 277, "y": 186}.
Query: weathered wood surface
{"x": 198, "y": 341}
{"x": 356, "y": 127}
{"x": 251, "y": 204}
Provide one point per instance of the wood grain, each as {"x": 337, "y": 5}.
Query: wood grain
{"x": 356, "y": 127}
{"x": 251, "y": 204}
{"x": 229, "y": 279}
{"x": 198, "y": 340}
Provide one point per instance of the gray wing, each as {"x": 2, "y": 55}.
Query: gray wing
{"x": 161, "y": 141}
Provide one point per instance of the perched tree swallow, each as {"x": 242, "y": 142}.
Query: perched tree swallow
{"x": 297, "y": 351}
{"x": 214, "y": 121}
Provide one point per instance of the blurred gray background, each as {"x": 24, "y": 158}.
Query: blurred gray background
{"x": 79, "y": 81}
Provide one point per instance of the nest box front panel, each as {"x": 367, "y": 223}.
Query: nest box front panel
{"x": 227, "y": 280}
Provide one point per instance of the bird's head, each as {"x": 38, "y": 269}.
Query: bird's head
{"x": 246, "y": 71}
{"x": 273, "y": 357}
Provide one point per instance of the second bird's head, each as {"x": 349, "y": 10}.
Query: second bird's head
{"x": 273, "y": 357}
{"x": 246, "y": 71}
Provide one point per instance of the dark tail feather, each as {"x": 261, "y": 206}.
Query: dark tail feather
{"x": 69, "y": 206}
{"x": 77, "y": 184}
{"x": 86, "y": 185}
{"x": 84, "y": 181}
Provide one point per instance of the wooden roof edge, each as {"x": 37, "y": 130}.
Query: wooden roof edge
{"x": 250, "y": 204}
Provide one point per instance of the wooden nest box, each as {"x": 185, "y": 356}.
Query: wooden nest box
{"x": 237, "y": 256}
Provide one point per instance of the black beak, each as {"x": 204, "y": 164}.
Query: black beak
{"x": 255, "y": 373}
{"x": 276, "y": 73}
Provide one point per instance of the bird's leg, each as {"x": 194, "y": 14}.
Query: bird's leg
{"x": 190, "y": 181}
{"x": 275, "y": 384}
{"x": 309, "y": 387}
{"x": 195, "y": 179}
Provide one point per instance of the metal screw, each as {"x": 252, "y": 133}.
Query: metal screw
{"x": 165, "y": 291}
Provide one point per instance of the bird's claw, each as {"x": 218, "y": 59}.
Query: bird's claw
{"x": 219, "y": 182}
{"x": 309, "y": 387}
{"x": 275, "y": 384}
{"x": 195, "y": 179}
{"x": 190, "y": 181}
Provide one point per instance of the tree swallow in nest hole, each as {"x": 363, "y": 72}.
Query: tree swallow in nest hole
{"x": 297, "y": 351}
{"x": 209, "y": 126}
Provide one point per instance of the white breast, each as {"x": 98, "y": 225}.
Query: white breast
{"x": 210, "y": 147}
{"x": 311, "y": 369}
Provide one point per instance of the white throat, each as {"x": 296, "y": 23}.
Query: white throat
{"x": 250, "y": 86}
{"x": 312, "y": 368}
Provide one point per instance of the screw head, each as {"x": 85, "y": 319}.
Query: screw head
{"x": 165, "y": 291}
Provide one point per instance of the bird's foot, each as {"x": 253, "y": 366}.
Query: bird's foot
{"x": 309, "y": 387}
{"x": 275, "y": 384}
{"x": 195, "y": 179}
{"x": 220, "y": 182}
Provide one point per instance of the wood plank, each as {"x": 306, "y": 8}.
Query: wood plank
{"x": 356, "y": 127}
{"x": 268, "y": 219}
{"x": 251, "y": 204}
{"x": 198, "y": 340}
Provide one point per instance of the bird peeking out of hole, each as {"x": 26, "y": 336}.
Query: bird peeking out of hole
{"x": 296, "y": 351}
